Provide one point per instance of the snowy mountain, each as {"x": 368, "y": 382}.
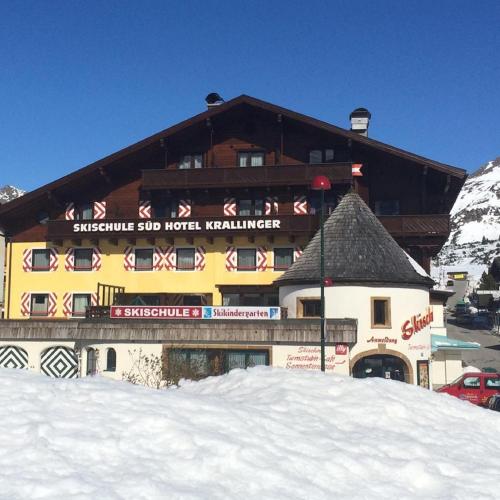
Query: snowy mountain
{"x": 8, "y": 193}
{"x": 475, "y": 223}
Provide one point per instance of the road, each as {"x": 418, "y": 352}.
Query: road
{"x": 489, "y": 353}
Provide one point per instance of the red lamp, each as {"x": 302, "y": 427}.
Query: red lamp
{"x": 321, "y": 183}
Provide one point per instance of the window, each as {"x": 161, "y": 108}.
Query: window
{"x": 40, "y": 304}
{"x": 247, "y": 259}
{"x": 250, "y": 159}
{"x": 83, "y": 259}
{"x": 165, "y": 208}
{"x": 40, "y": 260}
{"x": 144, "y": 259}
{"x": 84, "y": 211}
{"x": 492, "y": 383}
{"x": 283, "y": 258}
{"x": 250, "y": 299}
{"x": 199, "y": 363}
{"x": 472, "y": 383}
{"x": 387, "y": 207}
{"x": 381, "y": 312}
{"x": 185, "y": 259}
{"x": 309, "y": 308}
{"x": 250, "y": 207}
{"x": 191, "y": 161}
{"x": 321, "y": 155}
{"x": 111, "y": 360}
{"x": 80, "y": 303}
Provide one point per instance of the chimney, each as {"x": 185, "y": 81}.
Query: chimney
{"x": 360, "y": 120}
{"x": 213, "y": 99}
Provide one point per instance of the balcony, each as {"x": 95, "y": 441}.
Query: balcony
{"x": 295, "y": 225}
{"x": 230, "y": 177}
{"x": 424, "y": 225}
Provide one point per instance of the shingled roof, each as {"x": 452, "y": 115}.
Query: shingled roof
{"x": 358, "y": 249}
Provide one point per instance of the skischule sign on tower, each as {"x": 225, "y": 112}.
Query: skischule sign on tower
{"x": 176, "y": 226}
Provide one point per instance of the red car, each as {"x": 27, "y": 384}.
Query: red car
{"x": 477, "y": 388}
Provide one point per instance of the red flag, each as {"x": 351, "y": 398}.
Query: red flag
{"x": 356, "y": 170}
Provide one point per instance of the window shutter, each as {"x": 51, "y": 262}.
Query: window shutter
{"x": 70, "y": 211}
{"x": 261, "y": 258}
{"x": 69, "y": 259}
{"x": 300, "y": 205}
{"x": 170, "y": 258}
{"x": 27, "y": 260}
{"x": 184, "y": 208}
{"x": 25, "y": 304}
{"x": 158, "y": 258}
{"x": 96, "y": 259}
{"x": 231, "y": 259}
{"x": 144, "y": 209}
{"x": 53, "y": 259}
{"x": 94, "y": 299}
{"x": 199, "y": 259}
{"x": 271, "y": 205}
{"x": 129, "y": 259}
{"x": 52, "y": 306}
{"x": 230, "y": 207}
{"x": 68, "y": 304}
{"x": 99, "y": 210}
{"x": 297, "y": 252}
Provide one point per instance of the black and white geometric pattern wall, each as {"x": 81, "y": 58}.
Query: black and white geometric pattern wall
{"x": 59, "y": 362}
{"x": 12, "y": 356}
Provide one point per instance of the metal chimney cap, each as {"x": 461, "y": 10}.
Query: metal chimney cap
{"x": 213, "y": 99}
{"x": 360, "y": 113}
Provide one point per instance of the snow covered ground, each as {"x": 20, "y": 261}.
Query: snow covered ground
{"x": 261, "y": 433}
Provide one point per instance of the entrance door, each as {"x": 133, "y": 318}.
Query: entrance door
{"x": 379, "y": 365}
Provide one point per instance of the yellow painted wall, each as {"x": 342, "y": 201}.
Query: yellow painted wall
{"x": 112, "y": 271}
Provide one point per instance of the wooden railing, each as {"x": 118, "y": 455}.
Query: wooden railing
{"x": 417, "y": 225}
{"x": 269, "y": 175}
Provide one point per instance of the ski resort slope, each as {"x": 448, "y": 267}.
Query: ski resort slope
{"x": 261, "y": 433}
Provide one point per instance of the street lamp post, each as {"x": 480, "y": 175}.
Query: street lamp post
{"x": 322, "y": 184}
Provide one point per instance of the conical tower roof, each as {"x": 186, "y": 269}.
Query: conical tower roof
{"x": 358, "y": 249}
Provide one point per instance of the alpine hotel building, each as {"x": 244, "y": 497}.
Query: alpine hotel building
{"x": 210, "y": 211}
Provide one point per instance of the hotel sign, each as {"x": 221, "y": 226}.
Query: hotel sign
{"x": 194, "y": 312}
{"x": 176, "y": 226}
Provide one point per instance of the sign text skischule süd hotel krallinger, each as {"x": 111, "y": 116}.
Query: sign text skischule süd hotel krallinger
{"x": 176, "y": 226}
{"x": 194, "y": 312}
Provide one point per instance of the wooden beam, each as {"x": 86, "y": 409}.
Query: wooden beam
{"x": 104, "y": 175}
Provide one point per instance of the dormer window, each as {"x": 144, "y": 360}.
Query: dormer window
{"x": 251, "y": 158}
{"x": 191, "y": 161}
{"x": 321, "y": 156}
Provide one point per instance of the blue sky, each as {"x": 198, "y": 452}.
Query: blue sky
{"x": 82, "y": 79}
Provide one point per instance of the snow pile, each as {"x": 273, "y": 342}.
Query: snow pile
{"x": 261, "y": 433}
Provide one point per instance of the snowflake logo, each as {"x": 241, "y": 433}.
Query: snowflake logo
{"x": 118, "y": 311}
{"x": 195, "y": 313}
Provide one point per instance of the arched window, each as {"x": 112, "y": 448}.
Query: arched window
{"x": 91, "y": 362}
{"x": 111, "y": 360}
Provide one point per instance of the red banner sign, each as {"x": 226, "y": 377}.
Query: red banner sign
{"x": 155, "y": 312}
{"x": 417, "y": 323}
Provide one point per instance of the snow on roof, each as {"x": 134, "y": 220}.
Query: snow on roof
{"x": 420, "y": 270}
{"x": 259, "y": 434}
{"x": 442, "y": 342}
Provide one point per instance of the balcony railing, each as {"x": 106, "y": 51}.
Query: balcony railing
{"x": 416, "y": 225}
{"x": 225, "y": 177}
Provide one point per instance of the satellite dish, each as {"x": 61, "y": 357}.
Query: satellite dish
{"x": 213, "y": 98}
